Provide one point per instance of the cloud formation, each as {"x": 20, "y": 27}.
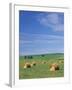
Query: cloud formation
{"x": 54, "y": 21}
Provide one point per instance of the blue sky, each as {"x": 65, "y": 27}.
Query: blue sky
{"x": 41, "y": 32}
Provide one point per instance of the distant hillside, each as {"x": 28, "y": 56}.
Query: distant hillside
{"x": 45, "y": 56}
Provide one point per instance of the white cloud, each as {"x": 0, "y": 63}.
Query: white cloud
{"x": 59, "y": 27}
{"x": 51, "y": 20}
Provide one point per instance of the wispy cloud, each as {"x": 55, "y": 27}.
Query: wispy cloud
{"x": 53, "y": 20}
{"x": 28, "y": 36}
{"x": 40, "y": 43}
{"x": 39, "y": 38}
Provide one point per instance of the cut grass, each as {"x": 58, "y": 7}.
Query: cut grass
{"x": 41, "y": 70}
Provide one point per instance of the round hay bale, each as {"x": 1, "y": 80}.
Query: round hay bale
{"x": 33, "y": 64}
{"x": 57, "y": 68}
{"x": 27, "y": 65}
{"x": 43, "y": 62}
{"x": 52, "y": 69}
{"x": 55, "y": 65}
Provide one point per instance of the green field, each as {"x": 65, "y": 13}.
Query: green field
{"x": 41, "y": 70}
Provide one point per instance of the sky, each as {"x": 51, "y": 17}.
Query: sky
{"x": 41, "y": 32}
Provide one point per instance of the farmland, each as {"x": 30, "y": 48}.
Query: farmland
{"x": 42, "y": 67}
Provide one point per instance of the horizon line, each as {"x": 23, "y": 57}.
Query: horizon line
{"x": 42, "y": 54}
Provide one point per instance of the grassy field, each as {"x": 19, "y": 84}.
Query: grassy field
{"x": 41, "y": 70}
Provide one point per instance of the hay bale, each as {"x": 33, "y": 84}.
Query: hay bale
{"x": 27, "y": 65}
{"x": 33, "y": 64}
{"x": 43, "y": 62}
{"x": 52, "y": 69}
{"x": 54, "y": 65}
